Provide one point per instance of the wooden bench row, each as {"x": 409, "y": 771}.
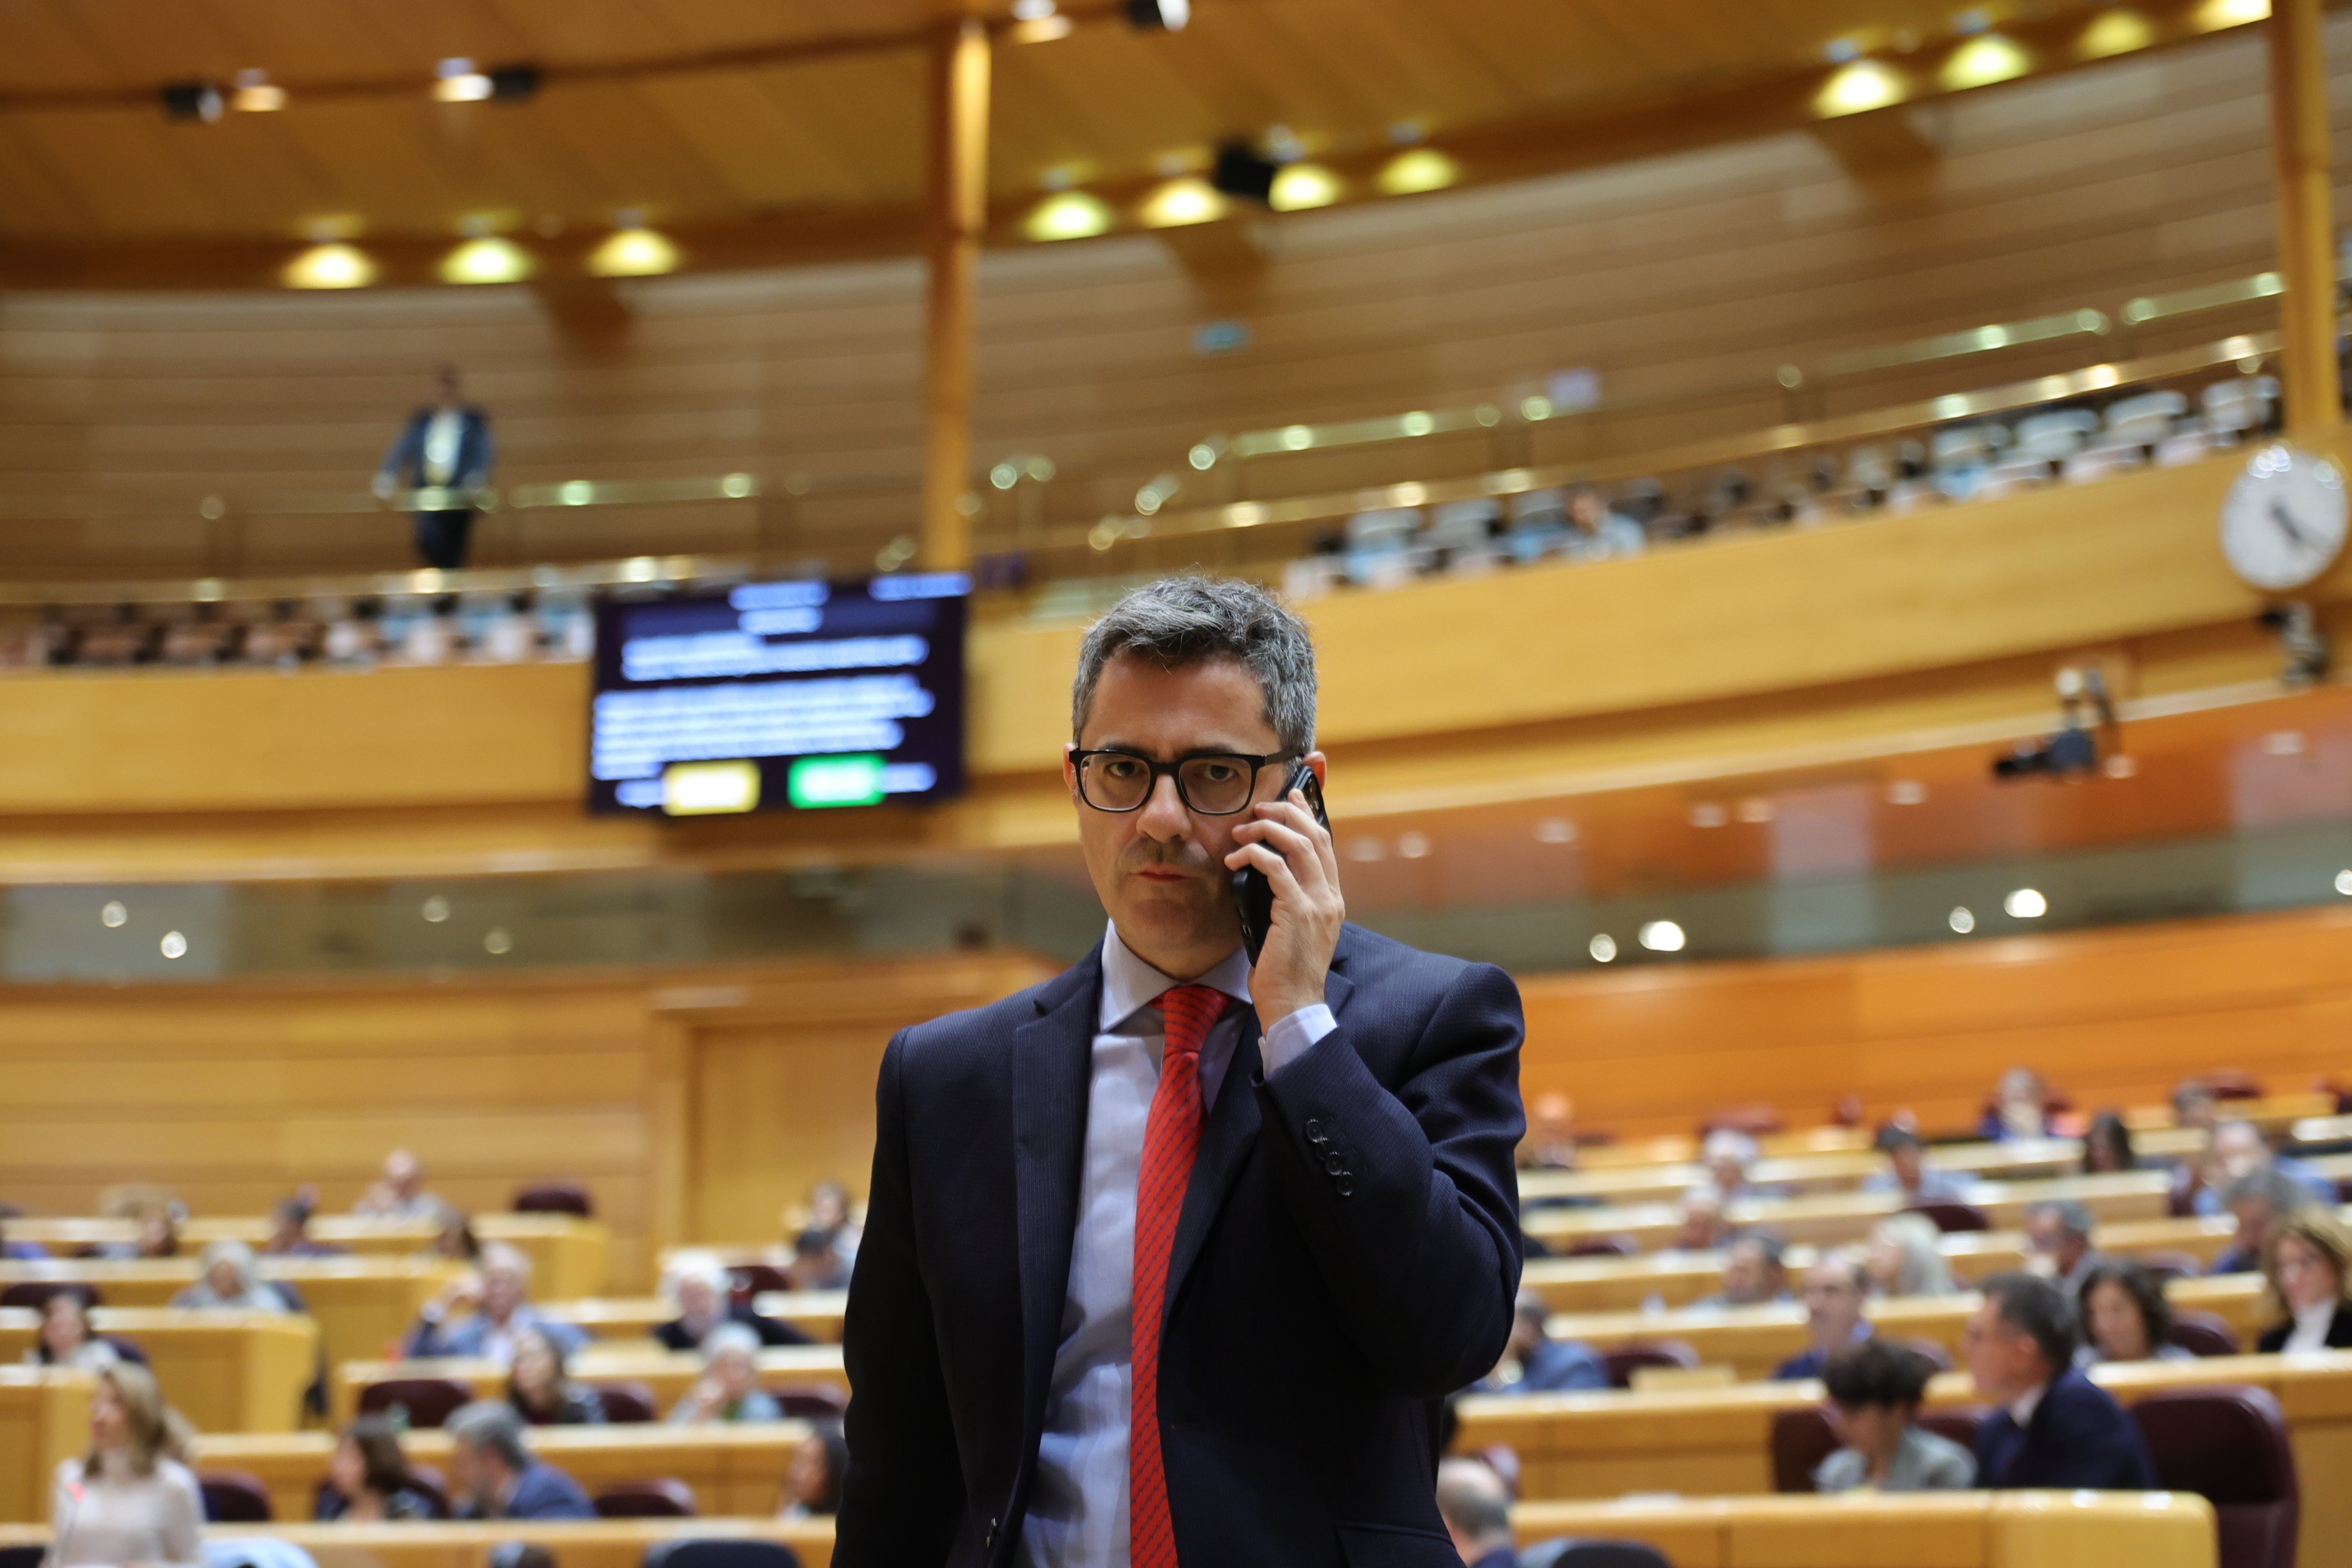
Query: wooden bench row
{"x": 667, "y": 1374}
{"x": 587, "y": 1543}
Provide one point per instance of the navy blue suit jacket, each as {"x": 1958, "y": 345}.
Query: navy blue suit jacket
{"x": 2079, "y": 1436}
{"x": 405, "y": 459}
{"x": 542, "y": 1491}
{"x": 1347, "y": 1255}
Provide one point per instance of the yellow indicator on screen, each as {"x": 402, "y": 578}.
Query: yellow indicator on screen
{"x": 707, "y": 789}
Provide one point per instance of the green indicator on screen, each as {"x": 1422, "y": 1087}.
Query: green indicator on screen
{"x": 835, "y": 781}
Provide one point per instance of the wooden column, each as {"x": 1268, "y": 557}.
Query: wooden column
{"x": 958, "y": 214}
{"x": 2299, "y": 146}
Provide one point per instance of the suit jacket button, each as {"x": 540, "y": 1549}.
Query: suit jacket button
{"x": 1346, "y": 1185}
{"x": 1333, "y": 1163}
{"x": 1315, "y": 1132}
{"x": 988, "y": 1540}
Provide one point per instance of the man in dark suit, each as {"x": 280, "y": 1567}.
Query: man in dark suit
{"x": 494, "y": 1476}
{"x": 1171, "y": 1258}
{"x": 1835, "y": 1288}
{"x": 444, "y": 447}
{"x": 2052, "y": 1427}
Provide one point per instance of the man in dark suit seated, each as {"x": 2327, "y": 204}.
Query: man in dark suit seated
{"x": 1173, "y": 1258}
{"x": 2052, "y": 1427}
{"x": 493, "y": 1476}
{"x": 1533, "y": 1363}
{"x": 701, "y": 1288}
{"x": 1834, "y": 1288}
{"x": 1476, "y": 1508}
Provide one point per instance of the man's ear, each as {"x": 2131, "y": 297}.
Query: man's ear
{"x": 1070, "y": 768}
{"x": 1319, "y": 765}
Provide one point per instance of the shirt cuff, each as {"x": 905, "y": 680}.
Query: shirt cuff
{"x": 1294, "y": 1034}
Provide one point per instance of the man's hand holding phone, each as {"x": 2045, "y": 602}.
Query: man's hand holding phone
{"x": 1283, "y": 842}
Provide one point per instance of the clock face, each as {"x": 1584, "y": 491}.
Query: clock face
{"x": 2283, "y": 523}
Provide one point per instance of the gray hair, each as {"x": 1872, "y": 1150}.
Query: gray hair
{"x": 231, "y": 1251}
{"x": 702, "y": 1266}
{"x": 2270, "y": 1186}
{"x": 1180, "y": 621}
{"x": 730, "y": 1337}
{"x": 2073, "y": 1217}
{"x": 492, "y": 1425}
{"x": 1473, "y": 1499}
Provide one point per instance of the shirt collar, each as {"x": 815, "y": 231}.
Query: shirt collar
{"x": 2021, "y": 1408}
{"x": 1130, "y": 984}
{"x": 2318, "y": 1315}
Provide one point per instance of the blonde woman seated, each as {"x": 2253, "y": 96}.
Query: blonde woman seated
{"x": 2307, "y": 1259}
{"x": 1906, "y": 1258}
{"x": 129, "y": 1499}
{"x": 226, "y": 1281}
{"x": 728, "y": 1389}
{"x": 1875, "y": 1389}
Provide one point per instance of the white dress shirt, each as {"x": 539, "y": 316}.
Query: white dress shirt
{"x": 2311, "y": 1326}
{"x": 443, "y": 433}
{"x": 1077, "y": 1506}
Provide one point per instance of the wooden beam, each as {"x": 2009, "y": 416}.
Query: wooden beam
{"x": 958, "y": 221}
{"x": 2300, "y": 158}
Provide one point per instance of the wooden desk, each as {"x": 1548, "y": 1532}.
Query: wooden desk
{"x": 567, "y": 1254}
{"x": 1752, "y": 1341}
{"x": 1841, "y": 1171}
{"x": 1925, "y": 1530}
{"x": 1848, "y": 1216}
{"x": 226, "y": 1372}
{"x": 44, "y": 1421}
{"x": 363, "y": 1302}
{"x": 817, "y": 1313}
{"x": 668, "y": 1374}
{"x": 585, "y": 1543}
{"x": 732, "y": 1469}
{"x": 1708, "y": 1442}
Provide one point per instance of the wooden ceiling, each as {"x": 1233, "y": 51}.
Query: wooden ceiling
{"x": 701, "y": 112}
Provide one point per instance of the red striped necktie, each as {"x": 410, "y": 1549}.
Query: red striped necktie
{"x": 1172, "y": 1137}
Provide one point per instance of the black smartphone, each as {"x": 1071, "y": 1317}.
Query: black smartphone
{"x": 1253, "y": 894}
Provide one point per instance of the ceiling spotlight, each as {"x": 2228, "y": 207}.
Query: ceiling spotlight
{"x": 1303, "y": 185}
{"x": 1187, "y": 199}
{"x": 1708, "y": 814}
{"x": 2283, "y": 743}
{"x": 2343, "y": 886}
{"x": 1962, "y": 919}
{"x": 173, "y": 945}
{"x": 1603, "y": 948}
{"x": 1757, "y": 809}
{"x": 1413, "y": 845}
{"x": 436, "y": 910}
{"x": 1241, "y": 170}
{"x": 192, "y": 101}
{"x": 335, "y": 266}
{"x": 1422, "y": 169}
{"x": 633, "y": 252}
{"x": 487, "y": 261}
{"x": 2120, "y": 767}
{"x": 1905, "y": 792}
{"x": 1858, "y": 89}
{"x": 2116, "y": 32}
{"x": 1072, "y": 215}
{"x": 1984, "y": 60}
{"x": 2216, "y": 14}
{"x": 457, "y": 81}
{"x": 1663, "y": 936}
{"x": 497, "y": 941}
{"x": 1042, "y": 29}
{"x": 112, "y": 914}
{"x": 1555, "y": 830}
{"x": 2025, "y": 904}
{"x": 1160, "y": 16}
{"x": 1366, "y": 850}
{"x": 1032, "y": 10}
{"x": 255, "y": 95}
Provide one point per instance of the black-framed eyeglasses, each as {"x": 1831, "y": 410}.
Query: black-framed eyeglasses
{"x": 1213, "y": 783}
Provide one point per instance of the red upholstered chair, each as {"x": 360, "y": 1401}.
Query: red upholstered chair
{"x": 662, "y": 1499}
{"x": 233, "y": 1496}
{"x": 1802, "y": 1439}
{"x": 556, "y": 1197}
{"x": 2230, "y": 1083}
{"x": 746, "y": 1280}
{"x": 1756, "y": 1121}
{"x": 429, "y": 1401}
{"x": 2230, "y": 1446}
{"x": 1946, "y": 1215}
{"x": 2205, "y": 1334}
{"x": 629, "y": 1403}
{"x": 36, "y": 1294}
{"x": 1604, "y": 1247}
{"x": 1626, "y": 1360}
{"x": 810, "y": 1401}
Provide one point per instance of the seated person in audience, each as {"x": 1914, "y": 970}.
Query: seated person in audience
{"x": 289, "y": 1229}
{"x": 1476, "y": 1508}
{"x": 368, "y": 1479}
{"x": 2307, "y": 1259}
{"x": 1834, "y": 1288}
{"x": 1909, "y": 1173}
{"x": 812, "y": 1481}
{"x": 1550, "y": 1142}
{"x": 22, "y": 1251}
{"x": 1875, "y": 1389}
{"x": 2052, "y": 1427}
{"x": 131, "y": 1498}
{"x": 2257, "y": 1201}
{"x": 2125, "y": 1316}
{"x": 1703, "y": 1227}
{"x": 829, "y": 1210}
{"x": 818, "y": 1263}
{"x": 1535, "y": 1363}
{"x": 456, "y": 1239}
{"x": 2059, "y": 1235}
{"x": 225, "y": 1282}
{"x": 541, "y": 1388}
{"x": 67, "y": 1338}
{"x": 493, "y": 1476}
{"x": 2238, "y": 1151}
{"x": 1906, "y": 1258}
{"x": 729, "y": 1388}
{"x": 2020, "y": 1108}
{"x": 157, "y": 1235}
{"x": 1599, "y": 533}
{"x": 699, "y": 1286}
{"x": 2194, "y": 1107}
{"x": 2107, "y": 1145}
{"x": 1753, "y": 1272}
{"x": 400, "y": 1194}
{"x": 1729, "y": 1156}
{"x": 483, "y": 1314}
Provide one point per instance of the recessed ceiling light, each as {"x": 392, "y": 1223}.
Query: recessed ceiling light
{"x": 2026, "y": 904}
{"x": 112, "y": 914}
{"x": 1985, "y": 59}
{"x": 436, "y": 910}
{"x": 2343, "y": 886}
{"x": 1186, "y": 199}
{"x": 1032, "y": 10}
{"x": 2283, "y": 743}
{"x": 173, "y": 945}
{"x": 1303, "y": 185}
{"x": 1905, "y": 792}
{"x": 332, "y": 266}
{"x": 1367, "y": 849}
{"x": 1663, "y": 936}
{"x": 1962, "y": 919}
{"x": 1708, "y": 814}
{"x": 1413, "y": 845}
{"x": 633, "y": 252}
{"x": 1555, "y": 830}
{"x": 2116, "y": 32}
{"x": 497, "y": 940}
{"x": 1603, "y": 948}
{"x": 2120, "y": 767}
{"x": 1421, "y": 168}
{"x": 1756, "y": 808}
{"x": 487, "y": 261}
{"x": 1072, "y": 215}
{"x": 1858, "y": 89}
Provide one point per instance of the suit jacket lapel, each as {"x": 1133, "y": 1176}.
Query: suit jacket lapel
{"x": 1052, "y": 1063}
{"x": 1227, "y": 1140}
